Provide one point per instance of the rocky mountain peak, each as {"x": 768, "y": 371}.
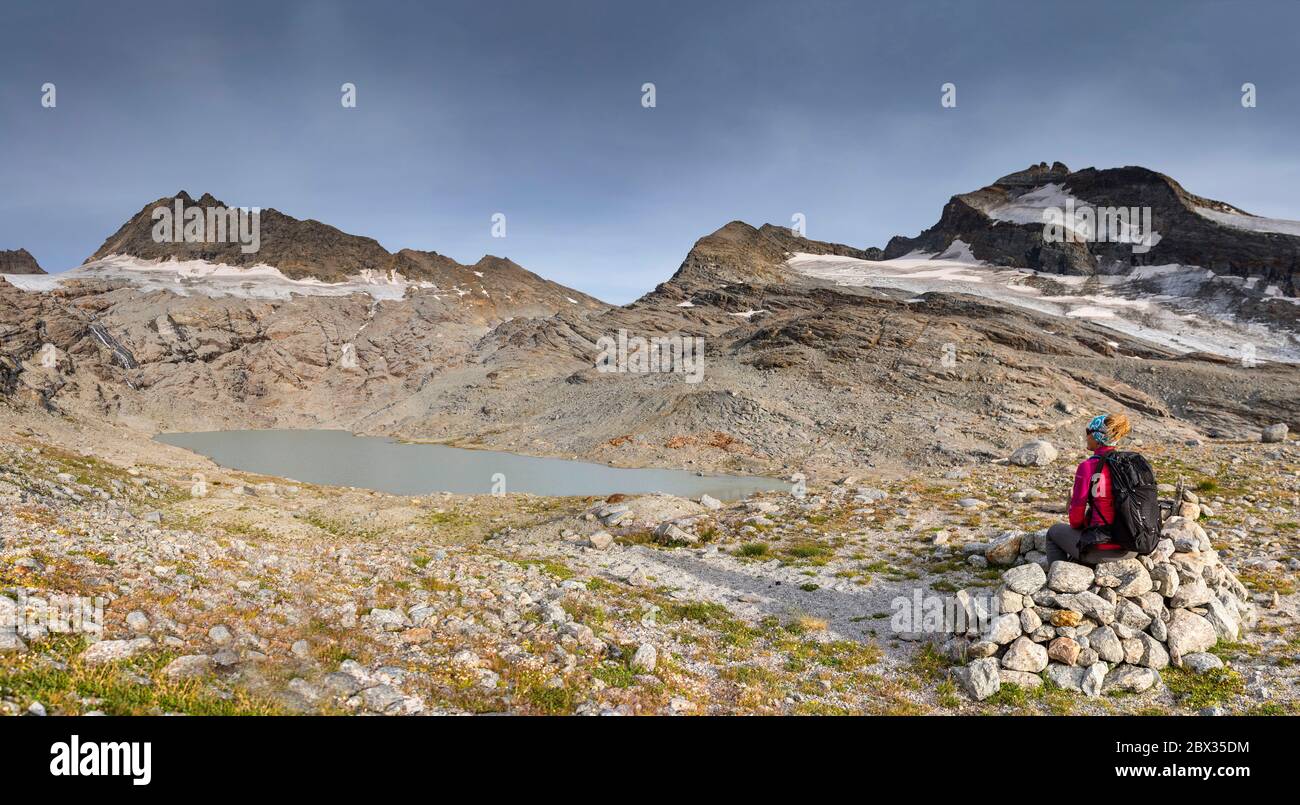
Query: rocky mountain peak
{"x": 1035, "y": 176}
{"x": 18, "y": 261}
{"x": 309, "y": 249}
{"x": 1003, "y": 225}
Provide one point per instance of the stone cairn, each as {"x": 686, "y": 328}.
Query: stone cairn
{"x": 1090, "y": 630}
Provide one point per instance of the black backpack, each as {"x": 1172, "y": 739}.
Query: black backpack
{"x": 1137, "y": 511}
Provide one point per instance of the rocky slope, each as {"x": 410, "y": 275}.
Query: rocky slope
{"x": 18, "y": 261}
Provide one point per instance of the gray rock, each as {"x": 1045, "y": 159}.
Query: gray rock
{"x": 1164, "y": 579}
{"x": 1004, "y": 550}
{"x": 980, "y": 679}
{"x": 1192, "y": 593}
{"x": 1153, "y": 653}
{"x": 710, "y": 502}
{"x": 1088, "y": 604}
{"x": 1159, "y": 630}
{"x": 1093, "y": 678}
{"x": 1069, "y": 577}
{"x": 1107, "y": 645}
{"x": 1131, "y": 678}
{"x": 106, "y": 651}
{"x": 1021, "y": 679}
{"x": 388, "y": 620}
{"x": 11, "y": 642}
{"x": 1131, "y": 615}
{"x": 1223, "y": 619}
{"x": 1003, "y": 629}
{"x": 600, "y": 540}
{"x": 188, "y": 667}
{"x": 1126, "y": 576}
{"x": 1274, "y": 433}
{"x": 1066, "y": 677}
{"x": 137, "y": 622}
{"x": 1189, "y": 633}
{"x": 1009, "y": 602}
{"x": 671, "y": 532}
{"x": 1025, "y": 579}
{"x": 645, "y": 659}
{"x": 1025, "y": 655}
{"x": 220, "y": 635}
{"x": 1200, "y": 662}
{"x": 383, "y": 699}
{"x": 1030, "y": 621}
{"x": 341, "y": 684}
{"x": 1034, "y": 454}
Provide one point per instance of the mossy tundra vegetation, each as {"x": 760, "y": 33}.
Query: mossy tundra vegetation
{"x": 266, "y": 596}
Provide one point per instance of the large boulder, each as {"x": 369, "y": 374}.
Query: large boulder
{"x": 1274, "y": 433}
{"x": 1034, "y": 454}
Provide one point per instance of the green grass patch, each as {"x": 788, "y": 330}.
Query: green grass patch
{"x": 1205, "y": 689}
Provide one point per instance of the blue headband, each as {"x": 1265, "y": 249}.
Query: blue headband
{"x": 1097, "y": 427}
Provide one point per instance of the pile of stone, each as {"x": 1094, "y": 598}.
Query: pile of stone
{"x": 1093, "y": 630}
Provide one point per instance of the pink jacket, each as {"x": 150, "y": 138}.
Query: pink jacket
{"x": 1086, "y": 477}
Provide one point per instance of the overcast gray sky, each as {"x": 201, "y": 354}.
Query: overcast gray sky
{"x": 533, "y": 109}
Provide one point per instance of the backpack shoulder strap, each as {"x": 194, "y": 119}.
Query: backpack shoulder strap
{"x": 1101, "y": 464}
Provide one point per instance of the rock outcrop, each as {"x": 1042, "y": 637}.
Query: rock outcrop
{"x": 18, "y": 261}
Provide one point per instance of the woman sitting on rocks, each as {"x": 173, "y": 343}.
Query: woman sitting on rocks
{"x": 1086, "y": 538}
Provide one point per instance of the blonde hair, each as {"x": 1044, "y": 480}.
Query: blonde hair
{"x": 1117, "y": 427}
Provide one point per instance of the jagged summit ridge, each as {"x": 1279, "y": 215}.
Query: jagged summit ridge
{"x": 311, "y": 250}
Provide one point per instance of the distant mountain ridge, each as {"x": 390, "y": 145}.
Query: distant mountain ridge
{"x": 18, "y": 261}
{"x": 309, "y": 249}
{"x": 817, "y": 352}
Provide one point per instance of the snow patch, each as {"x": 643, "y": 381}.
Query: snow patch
{"x": 1251, "y": 223}
{"x": 1181, "y": 308}
{"x": 1027, "y": 208}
